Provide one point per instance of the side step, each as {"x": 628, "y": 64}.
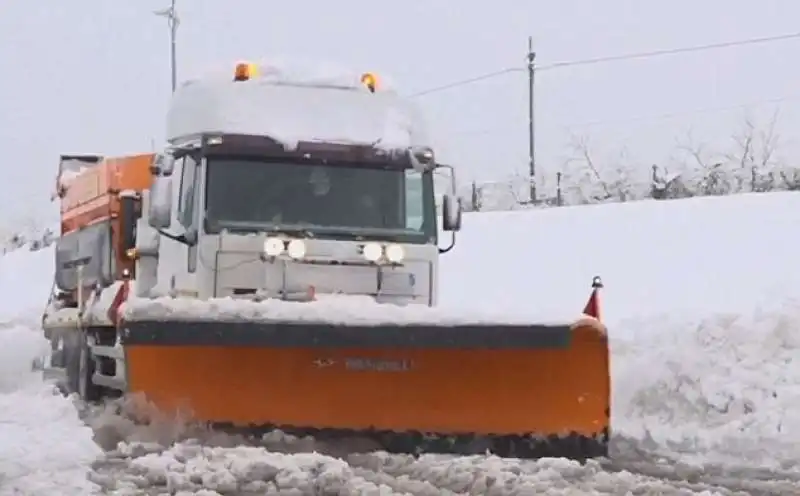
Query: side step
{"x": 58, "y": 376}
{"x": 108, "y": 351}
{"x": 109, "y": 382}
{"x": 54, "y": 374}
{"x": 116, "y": 353}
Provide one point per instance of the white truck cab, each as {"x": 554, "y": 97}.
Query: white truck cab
{"x": 291, "y": 188}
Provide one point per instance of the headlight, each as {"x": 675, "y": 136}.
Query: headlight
{"x": 273, "y": 247}
{"x": 296, "y": 248}
{"x": 372, "y": 252}
{"x": 395, "y": 253}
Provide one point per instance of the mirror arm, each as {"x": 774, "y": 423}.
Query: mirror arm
{"x": 452, "y": 243}
{"x": 180, "y": 238}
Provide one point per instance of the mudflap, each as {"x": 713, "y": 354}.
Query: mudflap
{"x": 525, "y": 391}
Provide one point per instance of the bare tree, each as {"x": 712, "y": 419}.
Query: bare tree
{"x": 615, "y": 173}
{"x": 581, "y": 156}
{"x": 698, "y": 152}
{"x": 754, "y": 154}
{"x": 710, "y": 177}
{"x": 749, "y": 161}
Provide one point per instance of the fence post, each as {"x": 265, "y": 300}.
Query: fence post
{"x": 476, "y": 202}
{"x": 655, "y": 192}
{"x": 558, "y": 189}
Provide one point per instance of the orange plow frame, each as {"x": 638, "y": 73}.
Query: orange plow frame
{"x": 527, "y": 391}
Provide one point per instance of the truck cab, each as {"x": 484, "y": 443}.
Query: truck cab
{"x": 293, "y": 190}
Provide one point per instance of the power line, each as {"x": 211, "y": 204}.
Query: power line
{"x": 669, "y": 51}
{"x": 645, "y": 118}
{"x": 612, "y": 58}
{"x": 462, "y": 82}
{"x": 672, "y": 115}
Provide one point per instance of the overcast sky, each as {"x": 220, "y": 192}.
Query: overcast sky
{"x": 85, "y": 76}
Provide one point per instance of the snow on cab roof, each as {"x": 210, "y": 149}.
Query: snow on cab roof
{"x": 293, "y": 102}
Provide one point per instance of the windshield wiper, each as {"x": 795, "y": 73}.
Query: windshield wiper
{"x": 240, "y": 226}
{"x": 308, "y": 230}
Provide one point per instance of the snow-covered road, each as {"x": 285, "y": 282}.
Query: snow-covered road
{"x": 703, "y": 307}
{"x": 244, "y": 470}
{"x": 52, "y": 451}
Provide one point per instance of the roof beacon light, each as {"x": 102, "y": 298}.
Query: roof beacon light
{"x": 244, "y": 71}
{"x": 370, "y": 80}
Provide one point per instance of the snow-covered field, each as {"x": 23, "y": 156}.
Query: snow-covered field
{"x": 702, "y": 300}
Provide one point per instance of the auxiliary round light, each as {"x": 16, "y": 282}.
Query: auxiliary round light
{"x": 296, "y": 248}
{"x": 273, "y": 247}
{"x": 373, "y": 252}
{"x": 395, "y": 253}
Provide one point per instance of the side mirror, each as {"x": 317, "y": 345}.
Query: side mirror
{"x": 159, "y": 212}
{"x": 451, "y": 213}
{"x": 421, "y": 159}
{"x": 130, "y": 210}
{"x": 163, "y": 165}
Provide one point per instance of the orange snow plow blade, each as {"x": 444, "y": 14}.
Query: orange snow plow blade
{"x": 522, "y": 391}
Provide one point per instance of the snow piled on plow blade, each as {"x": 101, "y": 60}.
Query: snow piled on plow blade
{"x": 335, "y": 309}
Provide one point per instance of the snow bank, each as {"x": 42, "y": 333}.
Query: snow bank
{"x": 700, "y": 307}
{"x": 329, "y": 309}
{"x": 694, "y": 257}
{"x": 26, "y": 279}
{"x": 45, "y": 447}
{"x": 723, "y": 387}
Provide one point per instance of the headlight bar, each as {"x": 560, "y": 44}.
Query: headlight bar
{"x": 376, "y": 252}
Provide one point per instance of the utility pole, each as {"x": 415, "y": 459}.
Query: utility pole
{"x": 171, "y": 14}
{"x": 531, "y": 128}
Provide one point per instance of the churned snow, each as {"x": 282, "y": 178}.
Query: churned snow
{"x": 701, "y": 303}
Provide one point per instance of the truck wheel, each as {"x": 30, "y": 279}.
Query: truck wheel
{"x": 86, "y": 389}
{"x": 71, "y": 356}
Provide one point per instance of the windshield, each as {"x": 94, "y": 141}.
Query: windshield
{"x": 338, "y": 201}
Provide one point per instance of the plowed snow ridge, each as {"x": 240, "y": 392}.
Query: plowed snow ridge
{"x": 702, "y": 309}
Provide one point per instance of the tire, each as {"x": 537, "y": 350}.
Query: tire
{"x": 80, "y": 368}
{"x": 87, "y": 390}
{"x": 71, "y": 356}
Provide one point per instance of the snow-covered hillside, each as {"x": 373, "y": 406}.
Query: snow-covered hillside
{"x": 701, "y": 300}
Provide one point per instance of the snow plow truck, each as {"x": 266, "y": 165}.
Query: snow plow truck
{"x": 275, "y": 266}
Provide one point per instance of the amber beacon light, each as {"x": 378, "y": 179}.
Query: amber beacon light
{"x": 370, "y": 80}
{"x": 244, "y": 71}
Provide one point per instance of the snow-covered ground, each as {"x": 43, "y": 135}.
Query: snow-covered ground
{"x": 702, "y": 304}
{"x": 700, "y": 298}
